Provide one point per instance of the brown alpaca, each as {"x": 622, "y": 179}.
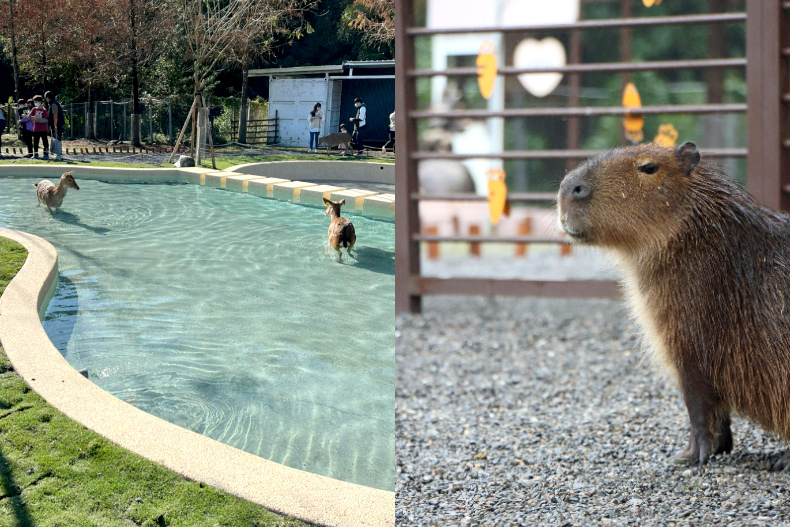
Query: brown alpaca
{"x": 341, "y": 230}
{"x": 707, "y": 275}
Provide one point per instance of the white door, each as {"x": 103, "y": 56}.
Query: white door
{"x": 293, "y": 99}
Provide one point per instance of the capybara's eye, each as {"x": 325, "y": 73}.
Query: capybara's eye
{"x": 649, "y": 168}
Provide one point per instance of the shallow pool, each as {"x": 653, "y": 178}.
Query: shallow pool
{"x": 229, "y": 315}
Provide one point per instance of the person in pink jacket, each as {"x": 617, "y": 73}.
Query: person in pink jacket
{"x": 40, "y": 119}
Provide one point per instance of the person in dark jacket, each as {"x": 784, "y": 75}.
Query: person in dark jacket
{"x": 56, "y": 118}
{"x": 359, "y": 120}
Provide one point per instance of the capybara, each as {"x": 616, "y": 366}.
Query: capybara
{"x": 707, "y": 276}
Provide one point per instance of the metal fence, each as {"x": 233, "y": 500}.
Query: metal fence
{"x": 766, "y": 111}
{"x": 112, "y": 121}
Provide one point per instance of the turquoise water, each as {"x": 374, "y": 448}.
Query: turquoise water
{"x": 229, "y": 315}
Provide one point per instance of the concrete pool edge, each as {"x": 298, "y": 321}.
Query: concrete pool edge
{"x": 377, "y": 205}
{"x": 303, "y": 495}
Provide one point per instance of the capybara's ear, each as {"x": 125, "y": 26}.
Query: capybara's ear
{"x": 687, "y": 156}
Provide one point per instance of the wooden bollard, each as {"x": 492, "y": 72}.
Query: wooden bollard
{"x": 565, "y": 249}
{"x": 524, "y": 229}
{"x": 474, "y": 247}
{"x": 433, "y": 247}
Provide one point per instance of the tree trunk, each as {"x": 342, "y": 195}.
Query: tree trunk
{"x": 244, "y": 108}
{"x": 202, "y": 131}
{"x": 14, "y": 61}
{"x": 89, "y": 130}
{"x": 137, "y": 117}
{"x": 13, "y": 49}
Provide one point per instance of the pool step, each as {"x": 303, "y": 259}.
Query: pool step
{"x": 362, "y": 201}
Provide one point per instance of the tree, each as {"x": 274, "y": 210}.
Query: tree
{"x": 265, "y": 26}
{"x": 373, "y": 21}
{"x": 12, "y": 39}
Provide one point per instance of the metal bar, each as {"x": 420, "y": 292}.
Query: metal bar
{"x": 648, "y": 21}
{"x": 573, "y": 129}
{"x": 522, "y": 197}
{"x": 407, "y": 264}
{"x": 588, "y": 111}
{"x": 485, "y": 239}
{"x": 767, "y": 81}
{"x": 557, "y": 154}
{"x": 601, "y": 67}
{"x": 493, "y": 287}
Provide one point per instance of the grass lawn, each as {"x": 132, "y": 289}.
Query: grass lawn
{"x": 55, "y": 472}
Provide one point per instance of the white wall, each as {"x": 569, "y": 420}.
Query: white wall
{"x": 293, "y": 99}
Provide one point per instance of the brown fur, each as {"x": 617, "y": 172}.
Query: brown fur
{"x": 707, "y": 274}
{"x": 51, "y": 195}
{"x": 341, "y": 230}
{"x": 335, "y": 139}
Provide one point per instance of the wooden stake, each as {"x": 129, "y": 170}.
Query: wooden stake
{"x": 474, "y": 247}
{"x": 524, "y": 229}
{"x": 183, "y": 130}
{"x": 433, "y": 247}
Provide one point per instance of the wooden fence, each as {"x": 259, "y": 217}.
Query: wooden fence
{"x": 768, "y": 145}
{"x": 258, "y": 130}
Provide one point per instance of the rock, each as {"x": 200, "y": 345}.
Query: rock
{"x": 444, "y": 176}
{"x": 184, "y": 161}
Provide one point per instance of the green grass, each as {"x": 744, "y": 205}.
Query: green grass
{"x": 227, "y": 162}
{"x": 55, "y": 472}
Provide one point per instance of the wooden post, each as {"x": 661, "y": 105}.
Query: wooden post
{"x": 210, "y": 139}
{"x": 433, "y": 247}
{"x": 766, "y": 82}
{"x": 474, "y": 247}
{"x": 183, "y": 130}
{"x": 524, "y": 229}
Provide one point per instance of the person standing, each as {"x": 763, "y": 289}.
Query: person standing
{"x": 2, "y": 127}
{"x": 358, "y": 135}
{"x": 40, "y": 118}
{"x": 26, "y": 124}
{"x": 57, "y": 119}
{"x": 315, "y": 126}
{"x": 391, "y": 139}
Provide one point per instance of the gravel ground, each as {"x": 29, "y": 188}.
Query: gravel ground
{"x": 542, "y": 412}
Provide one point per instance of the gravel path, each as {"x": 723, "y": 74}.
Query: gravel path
{"x": 542, "y": 412}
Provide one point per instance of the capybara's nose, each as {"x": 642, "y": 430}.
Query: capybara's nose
{"x": 580, "y": 191}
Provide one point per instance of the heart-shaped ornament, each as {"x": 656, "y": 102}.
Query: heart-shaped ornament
{"x": 546, "y": 53}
